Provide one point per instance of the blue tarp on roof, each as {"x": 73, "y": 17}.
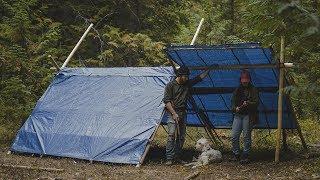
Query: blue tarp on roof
{"x": 100, "y": 114}
{"x": 213, "y": 94}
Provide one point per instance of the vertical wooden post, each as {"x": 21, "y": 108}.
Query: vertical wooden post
{"x": 280, "y": 99}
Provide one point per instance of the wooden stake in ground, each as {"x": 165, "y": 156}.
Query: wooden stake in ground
{"x": 280, "y": 100}
{"x": 193, "y": 175}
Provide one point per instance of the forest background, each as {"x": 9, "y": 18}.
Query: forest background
{"x": 135, "y": 32}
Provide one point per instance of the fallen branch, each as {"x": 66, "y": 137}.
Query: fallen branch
{"x": 151, "y": 172}
{"x": 193, "y": 175}
{"x": 32, "y": 168}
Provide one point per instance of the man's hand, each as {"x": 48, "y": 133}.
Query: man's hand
{"x": 245, "y": 103}
{"x": 237, "y": 109}
{"x": 175, "y": 117}
{"x": 204, "y": 74}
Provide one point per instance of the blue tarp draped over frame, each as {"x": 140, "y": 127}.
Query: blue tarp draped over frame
{"x": 100, "y": 114}
{"x": 213, "y": 94}
{"x": 109, "y": 114}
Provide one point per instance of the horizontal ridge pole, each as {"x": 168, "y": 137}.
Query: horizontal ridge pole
{"x": 241, "y": 66}
{"x": 227, "y": 90}
{"x": 230, "y": 111}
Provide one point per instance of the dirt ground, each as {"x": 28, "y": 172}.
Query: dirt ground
{"x": 295, "y": 164}
{"x": 292, "y": 166}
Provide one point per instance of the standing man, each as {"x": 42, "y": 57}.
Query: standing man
{"x": 175, "y": 99}
{"x": 244, "y": 103}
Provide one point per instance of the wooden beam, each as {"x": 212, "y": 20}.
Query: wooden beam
{"x": 197, "y": 32}
{"x": 280, "y": 99}
{"x": 242, "y": 66}
{"x": 54, "y": 62}
{"x": 303, "y": 142}
{"x": 192, "y": 175}
{"x": 206, "y": 125}
{"x": 150, "y": 140}
{"x": 227, "y": 90}
{"x": 76, "y": 47}
{"x": 31, "y": 167}
{"x": 268, "y": 111}
{"x": 212, "y": 47}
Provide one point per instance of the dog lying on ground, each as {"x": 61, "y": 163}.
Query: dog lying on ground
{"x": 207, "y": 154}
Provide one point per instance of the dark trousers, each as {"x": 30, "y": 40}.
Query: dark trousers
{"x": 176, "y": 136}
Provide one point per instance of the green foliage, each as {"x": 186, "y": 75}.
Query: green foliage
{"x": 134, "y": 33}
{"x": 266, "y": 21}
{"x": 128, "y": 49}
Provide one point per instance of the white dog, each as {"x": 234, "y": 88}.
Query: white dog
{"x": 207, "y": 154}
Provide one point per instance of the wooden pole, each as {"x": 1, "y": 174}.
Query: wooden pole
{"x": 31, "y": 168}
{"x": 303, "y": 142}
{"x": 206, "y": 125}
{"x": 148, "y": 146}
{"x": 150, "y": 140}
{"x": 54, "y": 63}
{"x": 288, "y": 99}
{"x": 280, "y": 99}
{"x": 76, "y": 47}
{"x": 192, "y": 175}
{"x": 242, "y": 66}
{"x": 197, "y": 32}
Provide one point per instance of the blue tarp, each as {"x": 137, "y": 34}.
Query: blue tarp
{"x": 213, "y": 94}
{"x": 100, "y": 114}
{"x": 109, "y": 114}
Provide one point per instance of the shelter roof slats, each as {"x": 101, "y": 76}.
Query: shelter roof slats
{"x": 226, "y": 61}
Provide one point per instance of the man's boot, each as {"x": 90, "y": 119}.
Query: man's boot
{"x": 169, "y": 162}
{"x": 245, "y": 159}
{"x": 180, "y": 161}
{"x": 235, "y": 157}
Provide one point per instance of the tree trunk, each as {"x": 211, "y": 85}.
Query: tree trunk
{"x": 315, "y": 5}
{"x": 138, "y": 26}
{"x": 231, "y": 15}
